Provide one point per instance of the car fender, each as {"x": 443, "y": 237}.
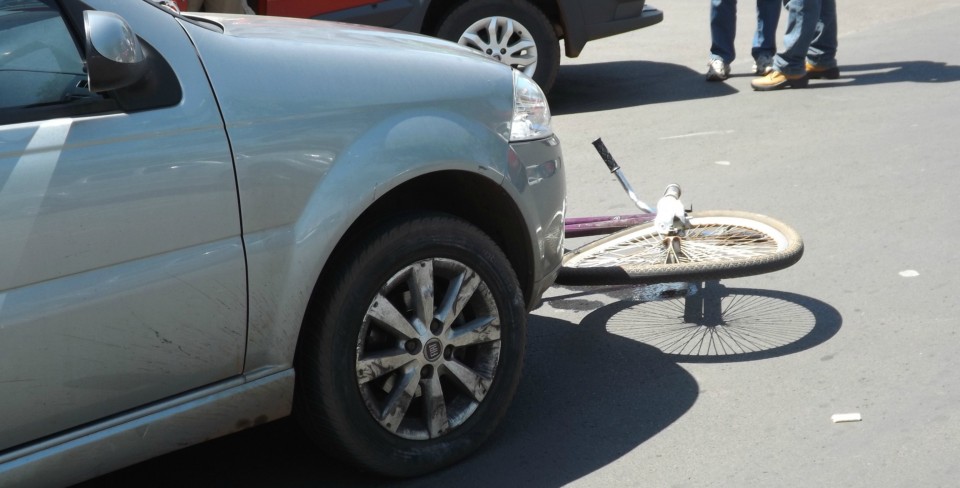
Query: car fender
{"x": 285, "y": 262}
{"x": 574, "y": 28}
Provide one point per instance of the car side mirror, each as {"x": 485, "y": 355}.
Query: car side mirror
{"x": 115, "y": 58}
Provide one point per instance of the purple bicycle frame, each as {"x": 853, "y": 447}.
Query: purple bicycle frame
{"x": 595, "y": 226}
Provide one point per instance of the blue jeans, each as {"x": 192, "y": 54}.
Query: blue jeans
{"x": 723, "y": 29}
{"x": 811, "y": 36}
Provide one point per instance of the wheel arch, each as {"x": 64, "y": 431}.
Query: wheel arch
{"x": 470, "y": 196}
{"x": 437, "y": 11}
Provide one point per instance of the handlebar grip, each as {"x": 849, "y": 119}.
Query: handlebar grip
{"x": 605, "y": 155}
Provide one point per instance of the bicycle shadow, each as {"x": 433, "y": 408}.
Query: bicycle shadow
{"x": 586, "y": 398}
{"x": 607, "y": 86}
{"x": 712, "y": 323}
{"x": 893, "y": 72}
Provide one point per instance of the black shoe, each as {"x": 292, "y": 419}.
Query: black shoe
{"x": 815, "y": 73}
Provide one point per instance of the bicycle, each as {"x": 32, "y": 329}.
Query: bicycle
{"x": 669, "y": 243}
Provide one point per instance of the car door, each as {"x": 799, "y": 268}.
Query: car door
{"x": 122, "y": 276}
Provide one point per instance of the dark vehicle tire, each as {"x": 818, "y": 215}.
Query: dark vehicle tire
{"x": 513, "y": 32}
{"x": 412, "y": 351}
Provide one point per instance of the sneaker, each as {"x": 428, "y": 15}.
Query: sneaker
{"x": 776, "y": 80}
{"x": 763, "y": 65}
{"x": 815, "y": 73}
{"x": 717, "y": 70}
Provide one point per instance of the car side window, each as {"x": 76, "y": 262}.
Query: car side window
{"x": 40, "y": 64}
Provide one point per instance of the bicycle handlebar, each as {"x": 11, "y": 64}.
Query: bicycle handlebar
{"x": 605, "y": 155}
{"x": 615, "y": 169}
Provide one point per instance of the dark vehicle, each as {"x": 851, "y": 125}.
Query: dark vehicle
{"x": 524, "y": 34}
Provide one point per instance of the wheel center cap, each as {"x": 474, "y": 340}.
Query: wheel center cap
{"x": 433, "y": 349}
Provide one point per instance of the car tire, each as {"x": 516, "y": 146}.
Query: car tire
{"x": 475, "y": 16}
{"x": 367, "y": 377}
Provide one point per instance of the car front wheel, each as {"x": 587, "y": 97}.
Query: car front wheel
{"x": 412, "y": 352}
{"x": 513, "y": 32}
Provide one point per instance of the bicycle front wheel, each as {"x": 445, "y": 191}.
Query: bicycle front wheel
{"x": 717, "y": 245}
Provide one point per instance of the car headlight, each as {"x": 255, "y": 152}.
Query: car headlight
{"x": 531, "y": 113}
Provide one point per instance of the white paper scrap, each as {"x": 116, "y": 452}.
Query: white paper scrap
{"x": 910, "y": 273}
{"x": 846, "y": 417}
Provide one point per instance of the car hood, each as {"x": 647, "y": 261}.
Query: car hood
{"x": 325, "y": 32}
{"x": 261, "y": 66}
{"x": 327, "y": 89}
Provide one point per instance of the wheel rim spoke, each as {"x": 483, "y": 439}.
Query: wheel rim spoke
{"x": 470, "y": 39}
{"x": 521, "y": 45}
{"x": 386, "y": 314}
{"x": 520, "y": 54}
{"x": 478, "y": 331}
{"x": 461, "y": 290}
{"x": 702, "y": 242}
{"x": 422, "y": 290}
{"x": 397, "y": 404}
{"x": 436, "y": 408}
{"x": 492, "y": 37}
{"x": 471, "y": 382}
{"x": 505, "y": 34}
{"x": 371, "y": 368}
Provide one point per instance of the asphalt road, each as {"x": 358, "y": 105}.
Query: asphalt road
{"x": 617, "y": 392}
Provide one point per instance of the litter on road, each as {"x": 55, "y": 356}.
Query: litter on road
{"x": 845, "y": 417}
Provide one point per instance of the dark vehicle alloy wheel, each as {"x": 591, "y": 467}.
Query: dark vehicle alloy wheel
{"x": 411, "y": 355}
{"x": 513, "y": 32}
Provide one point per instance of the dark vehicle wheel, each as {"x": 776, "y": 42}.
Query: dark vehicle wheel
{"x": 412, "y": 352}
{"x": 513, "y": 32}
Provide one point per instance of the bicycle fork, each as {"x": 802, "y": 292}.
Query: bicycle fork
{"x": 670, "y": 217}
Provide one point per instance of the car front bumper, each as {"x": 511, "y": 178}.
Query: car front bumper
{"x": 625, "y": 17}
{"x": 603, "y": 18}
{"x": 537, "y": 174}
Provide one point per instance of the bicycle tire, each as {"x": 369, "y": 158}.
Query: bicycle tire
{"x": 718, "y": 245}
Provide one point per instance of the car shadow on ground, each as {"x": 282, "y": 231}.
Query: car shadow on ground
{"x": 587, "y": 397}
{"x": 607, "y": 86}
{"x": 591, "y": 392}
{"x": 893, "y": 72}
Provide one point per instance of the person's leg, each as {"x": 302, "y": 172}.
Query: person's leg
{"x": 823, "y": 50}
{"x": 194, "y": 5}
{"x": 723, "y": 29}
{"x": 802, "y": 18}
{"x": 765, "y": 39}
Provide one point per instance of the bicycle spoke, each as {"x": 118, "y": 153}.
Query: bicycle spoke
{"x": 700, "y": 243}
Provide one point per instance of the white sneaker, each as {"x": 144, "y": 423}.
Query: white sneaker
{"x": 717, "y": 70}
{"x": 763, "y": 65}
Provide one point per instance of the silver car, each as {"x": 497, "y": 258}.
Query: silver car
{"x": 211, "y": 222}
